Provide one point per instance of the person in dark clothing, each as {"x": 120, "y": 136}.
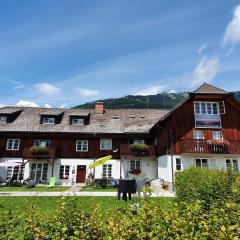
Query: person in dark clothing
{"x": 126, "y": 187}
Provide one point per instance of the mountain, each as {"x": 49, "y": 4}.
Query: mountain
{"x": 158, "y": 101}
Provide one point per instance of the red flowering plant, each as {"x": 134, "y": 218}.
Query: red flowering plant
{"x": 135, "y": 171}
{"x": 218, "y": 142}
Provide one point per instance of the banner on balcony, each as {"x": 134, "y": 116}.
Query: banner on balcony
{"x": 208, "y": 121}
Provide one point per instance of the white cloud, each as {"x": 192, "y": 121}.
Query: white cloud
{"x": 152, "y": 90}
{"x": 201, "y": 48}
{"x": 172, "y": 91}
{"x": 47, "y": 105}
{"x": 232, "y": 32}
{"x": 47, "y": 89}
{"x": 2, "y": 105}
{"x": 87, "y": 92}
{"x": 64, "y": 105}
{"x": 24, "y": 103}
{"x": 16, "y": 84}
{"x": 205, "y": 71}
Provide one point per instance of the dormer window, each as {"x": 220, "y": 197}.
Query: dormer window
{"x": 77, "y": 121}
{"x": 47, "y": 120}
{"x": 3, "y": 119}
{"x": 115, "y": 118}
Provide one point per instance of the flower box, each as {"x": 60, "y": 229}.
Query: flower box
{"x": 38, "y": 150}
{"x": 135, "y": 171}
{"x": 139, "y": 149}
{"x": 218, "y": 142}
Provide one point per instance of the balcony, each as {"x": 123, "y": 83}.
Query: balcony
{"x": 48, "y": 153}
{"x": 208, "y": 147}
{"x": 126, "y": 150}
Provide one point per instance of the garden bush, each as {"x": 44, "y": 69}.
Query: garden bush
{"x": 150, "y": 222}
{"x": 208, "y": 186}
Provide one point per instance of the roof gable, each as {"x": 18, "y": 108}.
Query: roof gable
{"x": 207, "y": 88}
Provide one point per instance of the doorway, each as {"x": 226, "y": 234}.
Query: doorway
{"x": 81, "y": 174}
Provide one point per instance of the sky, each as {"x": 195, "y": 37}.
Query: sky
{"x": 64, "y": 53}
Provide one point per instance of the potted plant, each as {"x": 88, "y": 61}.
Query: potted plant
{"x": 218, "y": 142}
{"x": 139, "y": 149}
{"x": 135, "y": 171}
{"x": 39, "y": 149}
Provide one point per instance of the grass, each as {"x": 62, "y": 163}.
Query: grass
{"x": 47, "y": 205}
{"x": 95, "y": 189}
{"x": 34, "y": 189}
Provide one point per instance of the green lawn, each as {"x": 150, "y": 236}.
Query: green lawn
{"x": 47, "y": 205}
{"x": 34, "y": 189}
{"x": 95, "y": 189}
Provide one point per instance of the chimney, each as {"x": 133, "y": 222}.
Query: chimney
{"x": 99, "y": 108}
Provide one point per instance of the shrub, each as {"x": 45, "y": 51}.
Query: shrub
{"x": 149, "y": 222}
{"x": 139, "y": 148}
{"x": 39, "y": 149}
{"x": 208, "y": 186}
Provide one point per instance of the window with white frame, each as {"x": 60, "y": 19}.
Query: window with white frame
{"x": 198, "y": 134}
{"x": 201, "y": 162}
{"x": 42, "y": 143}
{"x": 3, "y": 119}
{"x": 82, "y": 145}
{"x": 13, "y": 144}
{"x": 64, "y": 172}
{"x": 77, "y": 121}
{"x": 135, "y": 164}
{"x": 208, "y": 108}
{"x": 232, "y": 164}
{"x": 47, "y": 120}
{"x": 15, "y": 172}
{"x": 107, "y": 171}
{"x": 178, "y": 164}
{"x": 217, "y": 135}
{"x": 105, "y": 144}
{"x": 38, "y": 171}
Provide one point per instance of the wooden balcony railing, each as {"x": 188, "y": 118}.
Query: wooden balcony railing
{"x": 125, "y": 149}
{"x": 50, "y": 153}
{"x": 202, "y": 146}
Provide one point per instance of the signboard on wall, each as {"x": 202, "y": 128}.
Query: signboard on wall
{"x": 207, "y": 121}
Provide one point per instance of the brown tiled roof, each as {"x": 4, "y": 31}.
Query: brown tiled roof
{"x": 130, "y": 121}
{"x": 80, "y": 112}
{"x": 207, "y": 88}
{"x": 52, "y": 112}
{"x": 9, "y": 110}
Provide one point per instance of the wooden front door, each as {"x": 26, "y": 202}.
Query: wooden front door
{"x": 81, "y": 173}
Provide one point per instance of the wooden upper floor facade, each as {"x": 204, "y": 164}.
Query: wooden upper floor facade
{"x": 206, "y": 122}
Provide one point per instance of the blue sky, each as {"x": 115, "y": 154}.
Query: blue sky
{"x": 63, "y": 53}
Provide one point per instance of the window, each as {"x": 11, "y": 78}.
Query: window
{"x": 39, "y": 171}
{"x": 202, "y": 163}
{"x": 115, "y": 117}
{"x": 48, "y": 121}
{"x": 217, "y": 135}
{"x": 81, "y": 145}
{"x": 107, "y": 171}
{"x": 14, "y": 172}
{"x": 13, "y": 144}
{"x": 78, "y": 121}
{"x": 178, "y": 164}
{"x": 198, "y": 134}
{"x": 42, "y": 143}
{"x": 222, "y": 107}
{"x": 232, "y": 164}
{"x": 64, "y": 172}
{"x": 3, "y": 119}
{"x": 105, "y": 144}
{"x": 136, "y": 141}
{"x": 135, "y": 164}
{"x": 208, "y": 108}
